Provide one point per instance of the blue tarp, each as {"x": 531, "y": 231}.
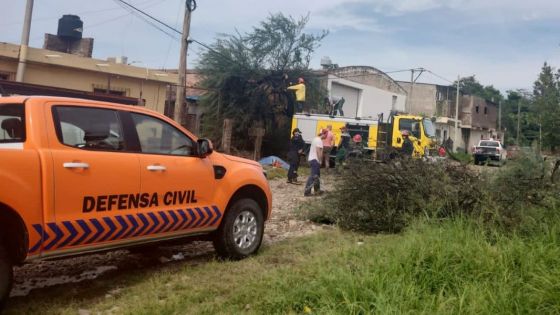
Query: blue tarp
{"x": 271, "y": 160}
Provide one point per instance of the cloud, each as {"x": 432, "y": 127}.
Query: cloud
{"x": 503, "y": 41}
{"x": 513, "y": 9}
{"x": 511, "y": 72}
{"x": 343, "y": 18}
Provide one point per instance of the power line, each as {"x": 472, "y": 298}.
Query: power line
{"x": 439, "y": 76}
{"x": 80, "y": 13}
{"x": 143, "y": 13}
{"x": 145, "y": 17}
{"x": 171, "y": 42}
{"x": 403, "y": 70}
{"x": 108, "y": 20}
{"x": 191, "y": 6}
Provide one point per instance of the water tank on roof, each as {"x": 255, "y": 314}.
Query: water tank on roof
{"x": 326, "y": 62}
{"x": 70, "y": 27}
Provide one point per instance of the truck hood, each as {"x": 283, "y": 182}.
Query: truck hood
{"x": 241, "y": 160}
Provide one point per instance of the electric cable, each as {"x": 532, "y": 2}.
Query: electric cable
{"x": 145, "y": 17}
{"x": 50, "y": 18}
{"x": 125, "y": 4}
{"x": 440, "y": 77}
{"x": 171, "y": 42}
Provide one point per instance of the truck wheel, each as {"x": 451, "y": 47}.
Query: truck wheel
{"x": 241, "y": 231}
{"x": 6, "y": 277}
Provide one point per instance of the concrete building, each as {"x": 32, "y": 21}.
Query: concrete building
{"x": 368, "y": 92}
{"x": 477, "y": 117}
{"x": 73, "y": 75}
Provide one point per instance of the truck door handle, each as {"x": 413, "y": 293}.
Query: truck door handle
{"x": 75, "y": 165}
{"x": 155, "y": 168}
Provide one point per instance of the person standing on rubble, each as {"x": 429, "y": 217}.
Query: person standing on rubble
{"x": 295, "y": 150}
{"x": 343, "y": 146}
{"x": 314, "y": 158}
{"x": 356, "y": 147}
{"x": 408, "y": 146}
{"x": 299, "y": 89}
{"x": 328, "y": 143}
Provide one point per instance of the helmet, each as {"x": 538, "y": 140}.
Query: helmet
{"x": 300, "y": 80}
{"x": 405, "y": 133}
{"x": 357, "y": 138}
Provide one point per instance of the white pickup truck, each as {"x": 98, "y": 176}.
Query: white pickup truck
{"x": 489, "y": 150}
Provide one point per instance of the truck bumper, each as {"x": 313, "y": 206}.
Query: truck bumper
{"x": 485, "y": 157}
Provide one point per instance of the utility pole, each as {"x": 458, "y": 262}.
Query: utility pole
{"x": 408, "y": 103}
{"x": 456, "y": 140}
{"x": 499, "y": 118}
{"x": 24, "y": 41}
{"x": 409, "y": 98}
{"x": 518, "y": 119}
{"x": 190, "y": 5}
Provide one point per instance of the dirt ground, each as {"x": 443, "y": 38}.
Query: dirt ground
{"x": 283, "y": 224}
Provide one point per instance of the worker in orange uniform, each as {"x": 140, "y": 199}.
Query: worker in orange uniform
{"x": 300, "y": 94}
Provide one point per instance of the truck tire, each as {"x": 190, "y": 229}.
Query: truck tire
{"x": 6, "y": 276}
{"x": 241, "y": 231}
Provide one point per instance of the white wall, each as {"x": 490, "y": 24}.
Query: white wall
{"x": 352, "y": 97}
{"x": 371, "y": 101}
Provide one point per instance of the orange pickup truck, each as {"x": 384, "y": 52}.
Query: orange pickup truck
{"x": 80, "y": 176}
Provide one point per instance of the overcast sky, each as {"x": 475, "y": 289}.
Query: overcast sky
{"x": 502, "y": 42}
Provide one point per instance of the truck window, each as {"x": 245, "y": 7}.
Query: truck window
{"x": 411, "y": 125}
{"x": 89, "y": 128}
{"x": 158, "y": 137}
{"x": 429, "y": 129}
{"x": 12, "y": 123}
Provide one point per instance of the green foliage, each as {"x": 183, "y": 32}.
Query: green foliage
{"x": 452, "y": 267}
{"x": 438, "y": 267}
{"x": 523, "y": 185}
{"x": 546, "y": 91}
{"x": 386, "y": 197}
{"x": 462, "y": 157}
{"x": 275, "y": 172}
{"x": 247, "y": 74}
{"x": 519, "y": 100}
{"x": 538, "y": 112}
{"x": 470, "y": 85}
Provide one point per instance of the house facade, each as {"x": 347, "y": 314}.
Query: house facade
{"x": 56, "y": 73}
{"x": 477, "y": 117}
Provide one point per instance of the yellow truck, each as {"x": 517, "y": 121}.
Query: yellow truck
{"x": 382, "y": 139}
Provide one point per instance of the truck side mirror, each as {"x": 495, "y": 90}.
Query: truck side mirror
{"x": 204, "y": 148}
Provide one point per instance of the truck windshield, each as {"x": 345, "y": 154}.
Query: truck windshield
{"x": 12, "y": 123}
{"x": 489, "y": 144}
{"x": 429, "y": 129}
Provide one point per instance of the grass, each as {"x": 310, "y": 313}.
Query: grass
{"x": 278, "y": 172}
{"x": 451, "y": 266}
{"x": 462, "y": 157}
